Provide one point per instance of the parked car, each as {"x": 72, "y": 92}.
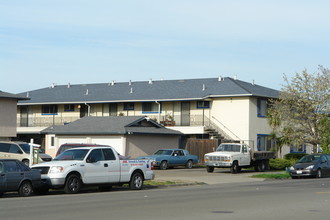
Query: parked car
{"x": 166, "y": 158}
{"x": 315, "y": 165}
{"x": 20, "y": 151}
{"x": 16, "y": 176}
{"x": 67, "y": 146}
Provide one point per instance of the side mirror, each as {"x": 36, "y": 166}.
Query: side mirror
{"x": 91, "y": 160}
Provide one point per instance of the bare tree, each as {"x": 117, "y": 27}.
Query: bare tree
{"x": 304, "y": 104}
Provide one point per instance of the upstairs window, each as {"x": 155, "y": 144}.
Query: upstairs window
{"x": 69, "y": 108}
{"x": 49, "y": 109}
{"x": 129, "y": 106}
{"x": 150, "y": 107}
{"x": 262, "y": 107}
{"x": 203, "y": 104}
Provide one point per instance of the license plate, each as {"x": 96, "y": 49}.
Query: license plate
{"x": 299, "y": 171}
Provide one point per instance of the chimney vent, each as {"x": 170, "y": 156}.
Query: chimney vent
{"x": 131, "y": 90}
{"x": 69, "y": 85}
{"x": 130, "y": 83}
{"x": 150, "y": 81}
{"x": 204, "y": 88}
{"x": 86, "y": 92}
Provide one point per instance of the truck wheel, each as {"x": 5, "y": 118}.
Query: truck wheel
{"x": 136, "y": 181}
{"x": 189, "y": 164}
{"x": 209, "y": 169}
{"x": 25, "y": 189}
{"x": 262, "y": 166}
{"x": 72, "y": 184}
{"x": 235, "y": 168}
{"x": 163, "y": 165}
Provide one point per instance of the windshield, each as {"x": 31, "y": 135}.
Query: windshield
{"x": 163, "y": 152}
{"x": 72, "y": 155}
{"x": 229, "y": 147}
{"x": 310, "y": 159}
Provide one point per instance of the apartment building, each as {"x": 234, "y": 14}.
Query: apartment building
{"x": 222, "y": 108}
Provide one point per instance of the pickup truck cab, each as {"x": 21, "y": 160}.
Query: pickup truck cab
{"x": 99, "y": 166}
{"x": 236, "y": 156}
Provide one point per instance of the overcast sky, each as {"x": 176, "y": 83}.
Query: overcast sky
{"x": 83, "y": 41}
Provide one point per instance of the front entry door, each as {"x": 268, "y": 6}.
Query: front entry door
{"x": 185, "y": 113}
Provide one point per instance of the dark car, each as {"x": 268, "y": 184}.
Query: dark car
{"x": 314, "y": 165}
{"x": 16, "y": 176}
{"x": 166, "y": 158}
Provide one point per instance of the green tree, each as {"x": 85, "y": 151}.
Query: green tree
{"x": 300, "y": 115}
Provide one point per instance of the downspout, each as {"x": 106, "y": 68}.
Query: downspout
{"x": 88, "y": 109}
{"x": 158, "y": 111}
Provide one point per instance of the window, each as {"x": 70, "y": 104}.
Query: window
{"x": 264, "y": 142}
{"x": 301, "y": 148}
{"x": 108, "y": 154}
{"x": 49, "y": 109}
{"x": 96, "y": 155}
{"x": 150, "y": 107}
{"x": 203, "y": 104}
{"x": 14, "y": 149}
{"x": 11, "y": 166}
{"x": 4, "y": 147}
{"x": 262, "y": 107}
{"x": 129, "y": 106}
{"x": 69, "y": 108}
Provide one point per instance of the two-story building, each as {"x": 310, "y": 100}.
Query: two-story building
{"x": 224, "y": 108}
{"x": 8, "y": 115}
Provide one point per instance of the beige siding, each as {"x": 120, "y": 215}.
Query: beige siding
{"x": 8, "y": 112}
{"x": 141, "y": 145}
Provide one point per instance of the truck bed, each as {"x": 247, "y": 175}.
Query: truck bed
{"x": 262, "y": 155}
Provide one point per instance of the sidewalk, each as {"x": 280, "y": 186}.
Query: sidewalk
{"x": 201, "y": 176}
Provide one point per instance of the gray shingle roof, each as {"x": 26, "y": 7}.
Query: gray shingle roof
{"x": 115, "y": 125}
{"x": 162, "y": 90}
{"x": 7, "y": 95}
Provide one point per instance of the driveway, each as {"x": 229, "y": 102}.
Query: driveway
{"x": 200, "y": 175}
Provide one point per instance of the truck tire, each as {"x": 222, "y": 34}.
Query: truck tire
{"x": 25, "y": 189}
{"x": 136, "y": 182}
{"x": 209, "y": 169}
{"x": 72, "y": 184}
{"x": 189, "y": 164}
{"x": 163, "y": 165}
{"x": 235, "y": 167}
{"x": 261, "y": 166}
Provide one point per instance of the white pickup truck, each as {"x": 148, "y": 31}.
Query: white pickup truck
{"x": 99, "y": 166}
{"x": 236, "y": 156}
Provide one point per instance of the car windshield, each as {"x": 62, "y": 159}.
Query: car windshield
{"x": 229, "y": 147}
{"x": 310, "y": 159}
{"x": 72, "y": 155}
{"x": 163, "y": 152}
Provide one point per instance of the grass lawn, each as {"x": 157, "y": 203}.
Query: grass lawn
{"x": 280, "y": 175}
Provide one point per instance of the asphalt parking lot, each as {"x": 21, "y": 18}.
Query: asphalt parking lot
{"x": 201, "y": 176}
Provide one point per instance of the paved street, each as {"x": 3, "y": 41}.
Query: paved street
{"x": 285, "y": 199}
{"x": 249, "y": 199}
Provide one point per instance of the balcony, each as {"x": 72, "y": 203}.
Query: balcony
{"x": 44, "y": 121}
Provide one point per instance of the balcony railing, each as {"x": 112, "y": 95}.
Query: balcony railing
{"x": 44, "y": 121}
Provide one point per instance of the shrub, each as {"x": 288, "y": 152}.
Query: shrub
{"x": 295, "y": 157}
{"x": 280, "y": 164}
